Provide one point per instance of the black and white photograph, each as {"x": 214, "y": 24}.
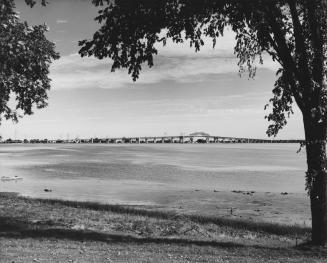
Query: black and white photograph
{"x": 162, "y": 131}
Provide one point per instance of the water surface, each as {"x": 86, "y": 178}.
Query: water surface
{"x": 131, "y": 174}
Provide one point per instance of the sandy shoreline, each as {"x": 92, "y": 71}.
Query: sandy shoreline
{"x": 290, "y": 208}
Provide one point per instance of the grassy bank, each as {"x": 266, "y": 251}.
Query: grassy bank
{"x": 41, "y": 230}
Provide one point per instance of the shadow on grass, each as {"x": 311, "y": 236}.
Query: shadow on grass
{"x": 17, "y": 228}
{"x": 263, "y": 227}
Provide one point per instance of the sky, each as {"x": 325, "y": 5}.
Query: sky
{"x": 183, "y": 92}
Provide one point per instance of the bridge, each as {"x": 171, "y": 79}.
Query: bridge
{"x": 181, "y": 139}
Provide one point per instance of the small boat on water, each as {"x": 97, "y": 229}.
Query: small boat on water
{"x": 8, "y": 178}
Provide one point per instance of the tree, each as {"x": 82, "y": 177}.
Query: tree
{"x": 25, "y": 56}
{"x": 292, "y": 32}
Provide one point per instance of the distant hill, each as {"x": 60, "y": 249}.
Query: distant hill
{"x": 199, "y": 134}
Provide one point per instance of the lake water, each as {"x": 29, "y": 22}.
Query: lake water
{"x": 134, "y": 174}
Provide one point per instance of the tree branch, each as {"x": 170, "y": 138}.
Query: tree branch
{"x": 283, "y": 49}
{"x": 285, "y": 55}
{"x": 315, "y": 19}
{"x": 301, "y": 49}
{"x": 317, "y": 41}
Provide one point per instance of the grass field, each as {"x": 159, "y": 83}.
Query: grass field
{"x": 41, "y": 230}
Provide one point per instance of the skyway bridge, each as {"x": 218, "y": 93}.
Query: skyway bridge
{"x": 182, "y": 139}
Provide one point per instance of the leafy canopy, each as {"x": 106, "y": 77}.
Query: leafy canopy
{"x": 25, "y": 56}
{"x": 292, "y": 32}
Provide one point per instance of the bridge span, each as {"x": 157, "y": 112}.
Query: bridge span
{"x": 182, "y": 139}
{"x": 157, "y": 139}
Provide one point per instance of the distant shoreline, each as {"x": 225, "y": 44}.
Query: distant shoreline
{"x": 149, "y": 140}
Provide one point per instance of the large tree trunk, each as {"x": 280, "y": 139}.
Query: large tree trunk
{"x": 315, "y": 134}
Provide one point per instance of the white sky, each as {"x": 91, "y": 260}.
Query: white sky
{"x": 184, "y": 92}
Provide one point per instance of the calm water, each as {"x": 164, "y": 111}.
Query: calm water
{"x": 135, "y": 173}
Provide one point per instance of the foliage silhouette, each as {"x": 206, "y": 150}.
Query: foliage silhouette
{"x": 25, "y": 56}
